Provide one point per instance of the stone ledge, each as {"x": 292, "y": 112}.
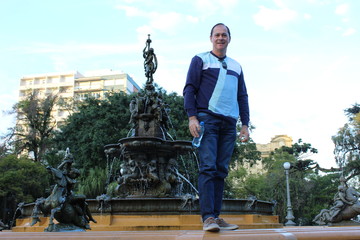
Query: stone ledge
{"x": 156, "y": 222}
{"x": 290, "y": 233}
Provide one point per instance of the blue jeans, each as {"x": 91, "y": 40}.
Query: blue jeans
{"x": 215, "y": 152}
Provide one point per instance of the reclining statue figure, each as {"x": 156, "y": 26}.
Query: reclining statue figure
{"x": 345, "y": 207}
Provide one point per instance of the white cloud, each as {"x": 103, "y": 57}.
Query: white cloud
{"x": 346, "y": 32}
{"x": 279, "y": 3}
{"x": 60, "y": 63}
{"x": 307, "y": 16}
{"x": 212, "y": 7}
{"x": 273, "y": 18}
{"x": 131, "y": 11}
{"x": 166, "y": 22}
{"x": 143, "y": 31}
{"x": 289, "y": 64}
{"x": 192, "y": 19}
{"x": 75, "y": 47}
{"x": 338, "y": 28}
{"x": 349, "y": 32}
{"x": 342, "y": 9}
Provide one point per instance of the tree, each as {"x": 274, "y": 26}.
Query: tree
{"x": 5, "y": 149}
{"x": 347, "y": 144}
{"x": 95, "y": 124}
{"x": 178, "y": 118}
{"x": 21, "y": 180}
{"x": 303, "y": 174}
{"x": 93, "y": 183}
{"x": 244, "y": 153}
{"x": 310, "y": 191}
{"x": 35, "y": 125}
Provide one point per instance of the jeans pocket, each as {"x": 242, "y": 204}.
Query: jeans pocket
{"x": 202, "y": 116}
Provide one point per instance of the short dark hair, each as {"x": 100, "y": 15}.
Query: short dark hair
{"x": 218, "y": 25}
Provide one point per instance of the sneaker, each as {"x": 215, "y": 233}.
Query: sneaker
{"x": 211, "y": 225}
{"x": 224, "y": 225}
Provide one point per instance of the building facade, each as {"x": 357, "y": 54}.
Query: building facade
{"x": 276, "y": 142}
{"x": 74, "y": 86}
{"x": 265, "y": 149}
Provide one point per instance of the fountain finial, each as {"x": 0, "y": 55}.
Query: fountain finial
{"x": 150, "y": 63}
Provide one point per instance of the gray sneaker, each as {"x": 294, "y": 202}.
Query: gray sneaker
{"x": 224, "y": 225}
{"x": 211, "y": 225}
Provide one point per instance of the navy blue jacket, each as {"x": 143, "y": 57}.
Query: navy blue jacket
{"x": 216, "y": 86}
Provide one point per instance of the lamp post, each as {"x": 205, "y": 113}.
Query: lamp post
{"x": 290, "y": 216}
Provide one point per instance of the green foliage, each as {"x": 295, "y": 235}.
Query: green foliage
{"x": 93, "y": 183}
{"x": 302, "y": 181}
{"x": 111, "y": 189}
{"x": 310, "y": 192}
{"x": 319, "y": 193}
{"x": 54, "y": 157}
{"x": 244, "y": 153}
{"x": 299, "y": 149}
{"x": 179, "y": 129}
{"x": 35, "y": 130}
{"x": 347, "y": 144}
{"x": 234, "y": 183}
{"x": 96, "y": 124}
{"x": 4, "y": 149}
{"x": 22, "y": 178}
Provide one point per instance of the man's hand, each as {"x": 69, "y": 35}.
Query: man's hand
{"x": 244, "y": 134}
{"x": 194, "y": 126}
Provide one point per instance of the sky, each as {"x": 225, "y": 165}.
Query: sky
{"x": 300, "y": 58}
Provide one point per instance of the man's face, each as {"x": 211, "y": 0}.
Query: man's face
{"x": 220, "y": 38}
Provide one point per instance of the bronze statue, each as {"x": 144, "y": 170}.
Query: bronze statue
{"x": 3, "y": 226}
{"x": 148, "y": 155}
{"x": 68, "y": 208}
{"x": 150, "y": 63}
{"x": 345, "y": 207}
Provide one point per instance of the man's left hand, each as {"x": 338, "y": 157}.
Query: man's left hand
{"x": 244, "y": 134}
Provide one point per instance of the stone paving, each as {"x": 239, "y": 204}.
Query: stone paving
{"x": 291, "y": 233}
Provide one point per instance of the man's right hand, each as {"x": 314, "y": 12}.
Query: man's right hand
{"x": 194, "y": 126}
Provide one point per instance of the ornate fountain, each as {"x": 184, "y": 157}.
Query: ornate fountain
{"x": 149, "y": 156}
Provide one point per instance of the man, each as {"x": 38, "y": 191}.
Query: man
{"x": 215, "y": 93}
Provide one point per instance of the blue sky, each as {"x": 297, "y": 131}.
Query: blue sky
{"x": 300, "y": 58}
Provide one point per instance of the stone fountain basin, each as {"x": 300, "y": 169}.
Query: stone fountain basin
{"x": 152, "y": 144}
{"x": 168, "y": 206}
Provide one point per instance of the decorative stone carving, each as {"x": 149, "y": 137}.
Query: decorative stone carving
{"x": 345, "y": 207}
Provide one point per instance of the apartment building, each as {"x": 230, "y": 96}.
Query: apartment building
{"x": 76, "y": 86}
